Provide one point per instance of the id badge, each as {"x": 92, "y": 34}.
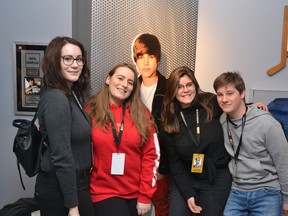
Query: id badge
{"x": 197, "y": 163}
{"x": 117, "y": 166}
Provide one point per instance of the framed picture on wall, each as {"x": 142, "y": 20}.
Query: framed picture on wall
{"x": 28, "y": 76}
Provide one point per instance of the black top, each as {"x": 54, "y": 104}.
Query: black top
{"x": 180, "y": 148}
{"x": 156, "y": 113}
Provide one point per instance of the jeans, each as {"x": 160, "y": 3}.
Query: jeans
{"x": 254, "y": 203}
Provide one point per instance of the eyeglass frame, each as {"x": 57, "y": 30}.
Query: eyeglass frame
{"x": 188, "y": 86}
{"x": 83, "y": 61}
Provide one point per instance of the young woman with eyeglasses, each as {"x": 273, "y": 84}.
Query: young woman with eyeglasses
{"x": 62, "y": 185}
{"x": 192, "y": 134}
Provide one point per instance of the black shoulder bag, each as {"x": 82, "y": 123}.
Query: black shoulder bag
{"x": 28, "y": 146}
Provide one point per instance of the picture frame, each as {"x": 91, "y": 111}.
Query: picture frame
{"x": 28, "y": 76}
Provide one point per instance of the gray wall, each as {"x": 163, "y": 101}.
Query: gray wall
{"x": 239, "y": 35}
{"x": 28, "y": 21}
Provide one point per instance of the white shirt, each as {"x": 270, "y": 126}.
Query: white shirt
{"x": 147, "y": 94}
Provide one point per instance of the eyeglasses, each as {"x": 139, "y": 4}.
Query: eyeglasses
{"x": 189, "y": 86}
{"x": 69, "y": 60}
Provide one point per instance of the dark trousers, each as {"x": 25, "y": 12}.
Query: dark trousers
{"x": 50, "y": 199}
{"x": 211, "y": 197}
{"x": 116, "y": 206}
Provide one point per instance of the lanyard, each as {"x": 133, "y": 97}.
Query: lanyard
{"x": 231, "y": 141}
{"x": 196, "y": 141}
{"x": 75, "y": 97}
{"x": 81, "y": 108}
{"x": 117, "y": 139}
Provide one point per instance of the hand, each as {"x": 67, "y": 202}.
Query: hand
{"x": 28, "y": 90}
{"x": 261, "y": 106}
{"x": 143, "y": 208}
{"x": 193, "y": 207}
{"x": 159, "y": 176}
{"x": 74, "y": 211}
{"x": 285, "y": 208}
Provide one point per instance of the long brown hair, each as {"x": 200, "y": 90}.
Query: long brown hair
{"x": 171, "y": 106}
{"x": 51, "y": 66}
{"x": 99, "y": 110}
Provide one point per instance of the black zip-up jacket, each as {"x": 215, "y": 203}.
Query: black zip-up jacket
{"x": 156, "y": 113}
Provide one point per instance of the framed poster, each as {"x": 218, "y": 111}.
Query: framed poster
{"x": 28, "y": 73}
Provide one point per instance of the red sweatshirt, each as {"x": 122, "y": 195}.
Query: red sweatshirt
{"x": 141, "y": 163}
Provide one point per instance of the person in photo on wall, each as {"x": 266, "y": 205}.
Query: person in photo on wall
{"x": 258, "y": 148}
{"x": 126, "y": 148}
{"x": 197, "y": 162}
{"x": 33, "y": 87}
{"x": 62, "y": 185}
{"x": 146, "y": 54}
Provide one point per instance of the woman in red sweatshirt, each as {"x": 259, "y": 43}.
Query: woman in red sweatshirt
{"x": 126, "y": 149}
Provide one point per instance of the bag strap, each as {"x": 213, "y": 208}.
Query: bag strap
{"x": 35, "y": 117}
{"x": 19, "y": 171}
{"x": 17, "y": 122}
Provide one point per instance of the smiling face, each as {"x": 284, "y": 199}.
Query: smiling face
{"x": 186, "y": 91}
{"x": 121, "y": 85}
{"x": 71, "y": 73}
{"x": 231, "y": 100}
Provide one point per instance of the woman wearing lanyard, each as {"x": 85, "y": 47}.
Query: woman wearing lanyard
{"x": 126, "y": 150}
{"x": 62, "y": 185}
{"x": 194, "y": 143}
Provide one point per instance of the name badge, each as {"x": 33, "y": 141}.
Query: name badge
{"x": 117, "y": 166}
{"x": 197, "y": 163}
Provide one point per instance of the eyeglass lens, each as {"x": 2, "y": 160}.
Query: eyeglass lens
{"x": 188, "y": 86}
{"x": 68, "y": 60}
